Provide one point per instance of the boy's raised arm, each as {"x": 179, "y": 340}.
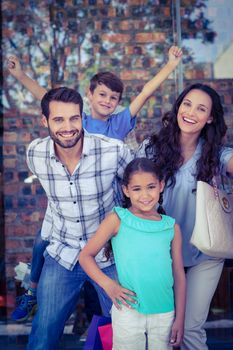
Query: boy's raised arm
{"x": 174, "y": 58}
{"x": 16, "y": 71}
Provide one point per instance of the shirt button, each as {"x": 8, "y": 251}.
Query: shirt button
{"x": 71, "y": 183}
{"x": 77, "y": 220}
{"x": 74, "y": 202}
{"x": 80, "y": 239}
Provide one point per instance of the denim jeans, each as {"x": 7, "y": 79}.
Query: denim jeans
{"x": 57, "y": 296}
{"x": 38, "y": 257}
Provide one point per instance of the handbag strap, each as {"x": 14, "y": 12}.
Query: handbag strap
{"x": 215, "y": 186}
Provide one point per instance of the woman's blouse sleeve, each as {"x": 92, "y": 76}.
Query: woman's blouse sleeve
{"x": 225, "y": 156}
{"x": 141, "y": 151}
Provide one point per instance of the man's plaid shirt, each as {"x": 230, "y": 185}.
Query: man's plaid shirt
{"x": 77, "y": 203}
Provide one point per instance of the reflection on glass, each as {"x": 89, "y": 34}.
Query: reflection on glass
{"x": 207, "y": 38}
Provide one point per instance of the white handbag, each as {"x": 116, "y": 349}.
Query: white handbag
{"x": 213, "y": 229}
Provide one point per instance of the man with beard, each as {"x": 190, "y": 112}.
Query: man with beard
{"x": 78, "y": 172}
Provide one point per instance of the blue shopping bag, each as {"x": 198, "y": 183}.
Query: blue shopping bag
{"x": 93, "y": 341}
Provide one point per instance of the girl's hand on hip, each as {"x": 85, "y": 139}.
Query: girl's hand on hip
{"x": 120, "y": 295}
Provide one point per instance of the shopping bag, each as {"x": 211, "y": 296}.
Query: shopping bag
{"x": 106, "y": 336}
{"x": 93, "y": 341}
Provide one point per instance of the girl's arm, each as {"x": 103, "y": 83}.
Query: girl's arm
{"x": 174, "y": 57}
{"x": 16, "y": 71}
{"x": 179, "y": 288}
{"x": 108, "y": 228}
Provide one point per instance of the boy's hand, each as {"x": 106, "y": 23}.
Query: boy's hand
{"x": 119, "y": 295}
{"x": 177, "y": 332}
{"x": 14, "y": 67}
{"x": 174, "y": 55}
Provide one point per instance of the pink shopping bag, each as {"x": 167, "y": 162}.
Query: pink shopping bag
{"x": 106, "y": 336}
{"x": 93, "y": 341}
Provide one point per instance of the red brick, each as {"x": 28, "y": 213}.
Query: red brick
{"x": 10, "y": 303}
{"x": 136, "y": 2}
{"x": 129, "y": 50}
{"x": 139, "y": 24}
{"x": 9, "y": 150}
{"x": 150, "y": 37}
{"x": 33, "y": 217}
{"x": 111, "y": 12}
{"x": 10, "y": 272}
{"x": 227, "y": 99}
{"x": 7, "y": 32}
{"x": 25, "y": 137}
{"x": 135, "y": 74}
{"x": 9, "y": 136}
{"x": 12, "y": 113}
{"x": 138, "y": 63}
{"x": 6, "y": 5}
{"x": 167, "y": 11}
{"x": 29, "y": 31}
{"x": 29, "y": 230}
{"x": 182, "y": 11}
{"x": 11, "y": 188}
{"x": 67, "y": 51}
{"x": 73, "y": 39}
{"x": 13, "y": 244}
{"x": 95, "y": 49}
{"x": 42, "y": 202}
{"x": 135, "y": 50}
{"x": 15, "y": 258}
{"x": 9, "y": 163}
{"x": 125, "y": 25}
{"x": 98, "y": 25}
{"x": 116, "y": 38}
{"x": 199, "y": 74}
{"x": 10, "y": 217}
{"x": 14, "y": 230}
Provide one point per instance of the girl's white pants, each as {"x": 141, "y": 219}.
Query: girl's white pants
{"x": 135, "y": 331}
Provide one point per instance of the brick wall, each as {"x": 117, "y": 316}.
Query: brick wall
{"x": 65, "y": 43}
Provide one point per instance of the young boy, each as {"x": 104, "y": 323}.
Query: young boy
{"x": 104, "y": 95}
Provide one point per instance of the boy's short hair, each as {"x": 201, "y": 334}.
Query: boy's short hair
{"x": 61, "y": 94}
{"x": 109, "y": 79}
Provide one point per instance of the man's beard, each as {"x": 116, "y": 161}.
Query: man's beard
{"x": 66, "y": 143}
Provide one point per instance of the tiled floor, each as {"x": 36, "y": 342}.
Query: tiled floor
{"x": 14, "y": 336}
{"x": 68, "y": 342}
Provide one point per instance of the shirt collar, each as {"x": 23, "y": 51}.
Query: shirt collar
{"x": 52, "y": 153}
{"x": 88, "y": 143}
{"x": 198, "y": 149}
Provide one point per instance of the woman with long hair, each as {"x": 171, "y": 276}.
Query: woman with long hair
{"x": 190, "y": 147}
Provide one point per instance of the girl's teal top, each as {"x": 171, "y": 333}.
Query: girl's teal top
{"x": 142, "y": 252}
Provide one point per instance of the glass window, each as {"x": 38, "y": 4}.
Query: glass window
{"x": 207, "y": 37}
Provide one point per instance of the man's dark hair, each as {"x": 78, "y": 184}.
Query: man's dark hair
{"x": 62, "y": 94}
